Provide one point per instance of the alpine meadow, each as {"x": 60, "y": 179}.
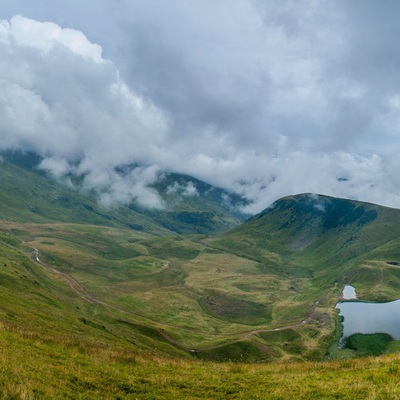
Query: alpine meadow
{"x": 113, "y": 304}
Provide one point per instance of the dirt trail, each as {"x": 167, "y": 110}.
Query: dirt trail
{"x": 82, "y": 292}
{"x": 77, "y": 287}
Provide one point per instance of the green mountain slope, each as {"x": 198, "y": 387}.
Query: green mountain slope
{"x": 57, "y": 342}
{"x": 191, "y": 206}
{"x": 326, "y": 239}
{"x": 28, "y": 196}
{"x": 263, "y": 291}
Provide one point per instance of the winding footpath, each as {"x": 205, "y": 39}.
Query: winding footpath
{"x": 82, "y": 292}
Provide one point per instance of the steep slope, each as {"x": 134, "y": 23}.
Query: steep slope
{"x": 327, "y": 239}
{"x": 307, "y": 221}
{"x": 29, "y": 196}
{"x": 191, "y": 206}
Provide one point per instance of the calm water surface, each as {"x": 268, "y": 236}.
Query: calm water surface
{"x": 362, "y": 317}
{"x": 349, "y": 293}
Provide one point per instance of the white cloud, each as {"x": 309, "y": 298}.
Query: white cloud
{"x": 186, "y": 189}
{"x": 46, "y": 36}
{"x": 71, "y": 106}
{"x": 115, "y": 189}
{"x": 269, "y": 99}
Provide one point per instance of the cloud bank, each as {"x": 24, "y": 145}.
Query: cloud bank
{"x": 61, "y": 99}
{"x": 263, "y": 98}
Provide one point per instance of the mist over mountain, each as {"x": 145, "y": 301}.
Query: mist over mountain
{"x": 170, "y": 202}
{"x": 288, "y": 115}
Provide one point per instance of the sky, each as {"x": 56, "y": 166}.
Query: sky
{"x": 267, "y": 98}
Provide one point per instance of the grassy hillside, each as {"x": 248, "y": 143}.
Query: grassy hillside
{"x": 108, "y": 310}
{"x": 331, "y": 241}
{"x": 313, "y": 246}
{"x": 55, "y": 344}
{"x": 261, "y": 292}
{"x": 191, "y": 206}
{"x": 36, "y": 368}
{"x": 28, "y": 196}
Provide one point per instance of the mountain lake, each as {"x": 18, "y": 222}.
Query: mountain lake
{"x": 368, "y": 317}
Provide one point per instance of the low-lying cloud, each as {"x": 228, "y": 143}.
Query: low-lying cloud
{"x": 59, "y": 98}
{"x": 267, "y": 100}
{"x": 186, "y": 189}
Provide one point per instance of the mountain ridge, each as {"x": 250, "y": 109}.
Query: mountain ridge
{"x": 316, "y": 230}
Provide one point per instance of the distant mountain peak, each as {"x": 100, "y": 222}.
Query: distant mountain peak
{"x": 332, "y": 212}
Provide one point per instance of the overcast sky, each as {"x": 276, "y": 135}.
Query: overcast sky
{"x": 264, "y": 97}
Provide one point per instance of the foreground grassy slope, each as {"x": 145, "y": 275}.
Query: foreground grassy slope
{"x": 37, "y": 368}
{"x": 54, "y": 344}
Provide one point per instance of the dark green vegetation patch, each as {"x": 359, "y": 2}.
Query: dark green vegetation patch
{"x": 368, "y": 344}
{"x": 236, "y": 310}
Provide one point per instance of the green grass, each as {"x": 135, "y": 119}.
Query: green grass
{"x": 240, "y": 351}
{"x": 36, "y": 368}
{"x": 202, "y": 297}
{"x": 177, "y": 284}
